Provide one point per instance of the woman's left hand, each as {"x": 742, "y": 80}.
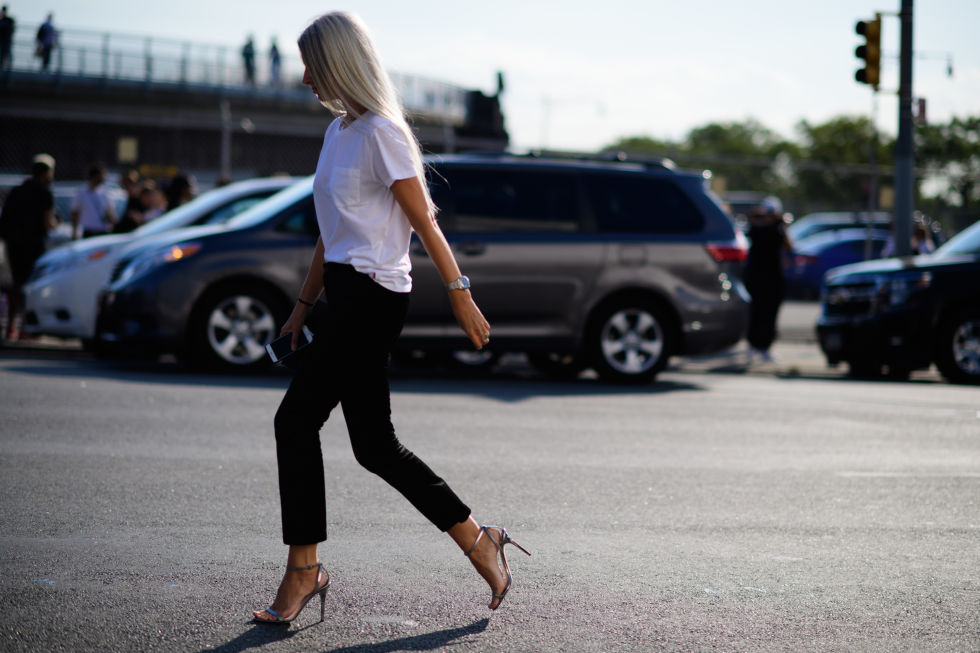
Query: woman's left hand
{"x": 469, "y": 317}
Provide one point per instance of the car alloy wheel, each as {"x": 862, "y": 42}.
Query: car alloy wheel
{"x": 966, "y": 347}
{"x": 238, "y": 329}
{"x": 958, "y": 357}
{"x": 631, "y": 343}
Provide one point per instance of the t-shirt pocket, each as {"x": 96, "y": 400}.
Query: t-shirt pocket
{"x": 345, "y": 186}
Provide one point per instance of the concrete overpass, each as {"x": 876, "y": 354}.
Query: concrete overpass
{"x": 162, "y": 105}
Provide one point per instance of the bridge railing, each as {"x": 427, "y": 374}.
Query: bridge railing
{"x": 157, "y": 60}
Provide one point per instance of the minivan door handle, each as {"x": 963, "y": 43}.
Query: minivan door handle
{"x": 471, "y": 247}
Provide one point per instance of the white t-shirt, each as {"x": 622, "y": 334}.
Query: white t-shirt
{"x": 360, "y": 222}
{"x": 92, "y": 206}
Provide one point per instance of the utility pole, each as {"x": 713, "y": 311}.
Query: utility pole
{"x": 873, "y": 181}
{"x": 905, "y": 148}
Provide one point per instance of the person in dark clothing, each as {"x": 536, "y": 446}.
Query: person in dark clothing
{"x": 47, "y": 37}
{"x": 181, "y": 190}
{"x": 132, "y": 216}
{"x": 248, "y": 59}
{"x": 28, "y": 215}
{"x": 275, "y": 63}
{"x": 7, "y": 27}
{"x": 764, "y": 277}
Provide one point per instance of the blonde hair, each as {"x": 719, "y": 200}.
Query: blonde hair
{"x": 340, "y": 56}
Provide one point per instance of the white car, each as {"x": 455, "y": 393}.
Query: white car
{"x": 62, "y": 293}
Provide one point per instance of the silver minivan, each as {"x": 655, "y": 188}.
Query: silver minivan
{"x": 608, "y": 264}
{"x": 579, "y": 263}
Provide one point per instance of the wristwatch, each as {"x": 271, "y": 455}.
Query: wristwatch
{"x": 463, "y": 283}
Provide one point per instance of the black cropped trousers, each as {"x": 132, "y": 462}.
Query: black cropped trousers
{"x": 347, "y": 363}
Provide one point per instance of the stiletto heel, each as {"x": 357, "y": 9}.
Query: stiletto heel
{"x": 320, "y": 589}
{"x": 505, "y": 539}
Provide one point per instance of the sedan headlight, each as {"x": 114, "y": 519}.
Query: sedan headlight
{"x": 147, "y": 262}
{"x": 47, "y": 266}
{"x": 900, "y": 289}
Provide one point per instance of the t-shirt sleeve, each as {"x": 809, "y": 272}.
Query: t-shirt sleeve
{"x": 392, "y": 154}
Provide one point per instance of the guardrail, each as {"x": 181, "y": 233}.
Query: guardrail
{"x": 156, "y": 60}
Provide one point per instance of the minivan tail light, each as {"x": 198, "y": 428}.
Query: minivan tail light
{"x": 733, "y": 250}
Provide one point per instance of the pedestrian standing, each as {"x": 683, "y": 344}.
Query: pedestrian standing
{"x": 132, "y": 216}
{"x": 7, "y": 27}
{"x": 46, "y": 39}
{"x": 275, "y": 63}
{"x": 764, "y": 277}
{"x": 248, "y": 60}
{"x": 27, "y": 217}
{"x": 370, "y": 194}
{"x": 92, "y": 213}
{"x": 181, "y": 189}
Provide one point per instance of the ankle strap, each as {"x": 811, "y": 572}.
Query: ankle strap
{"x": 483, "y": 529}
{"x": 306, "y": 568}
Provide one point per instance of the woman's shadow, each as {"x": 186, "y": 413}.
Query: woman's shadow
{"x": 261, "y": 635}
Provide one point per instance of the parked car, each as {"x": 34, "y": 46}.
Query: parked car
{"x": 62, "y": 293}
{"x": 609, "y": 264}
{"x": 812, "y": 257}
{"x": 903, "y": 314}
{"x": 814, "y": 223}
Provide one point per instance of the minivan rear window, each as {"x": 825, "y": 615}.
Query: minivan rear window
{"x": 641, "y": 204}
{"x": 509, "y": 201}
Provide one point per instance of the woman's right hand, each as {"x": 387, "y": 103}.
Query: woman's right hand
{"x": 294, "y": 324}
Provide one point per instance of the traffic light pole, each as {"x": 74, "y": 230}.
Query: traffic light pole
{"x": 904, "y": 149}
{"x": 873, "y": 181}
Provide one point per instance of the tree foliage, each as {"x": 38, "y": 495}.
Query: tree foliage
{"x": 950, "y": 154}
{"x": 828, "y": 165}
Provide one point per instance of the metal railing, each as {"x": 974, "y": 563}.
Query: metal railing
{"x": 156, "y": 60}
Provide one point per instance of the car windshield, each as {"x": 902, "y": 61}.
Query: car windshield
{"x": 273, "y": 205}
{"x": 965, "y": 242}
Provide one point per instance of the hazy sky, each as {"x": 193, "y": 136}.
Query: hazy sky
{"x": 581, "y": 74}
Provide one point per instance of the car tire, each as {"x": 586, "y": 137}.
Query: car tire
{"x": 958, "y": 347}
{"x": 630, "y": 341}
{"x": 558, "y": 366}
{"x": 231, "y": 327}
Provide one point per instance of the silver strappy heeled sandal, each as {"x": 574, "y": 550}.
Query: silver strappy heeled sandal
{"x": 504, "y": 540}
{"x": 320, "y": 589}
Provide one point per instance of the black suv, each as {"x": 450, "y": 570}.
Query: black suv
{"x": 902, "y": 314}
{"x": 609, "y": 264}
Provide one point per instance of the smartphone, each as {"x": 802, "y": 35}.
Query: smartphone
{"x": 282, "y": 346}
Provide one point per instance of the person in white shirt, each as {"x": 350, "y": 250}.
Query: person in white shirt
{"x": 92, "y": 213}
{"x": 370, "y": 194}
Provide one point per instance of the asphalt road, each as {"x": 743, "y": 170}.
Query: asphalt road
{"x": 710, "y": 511}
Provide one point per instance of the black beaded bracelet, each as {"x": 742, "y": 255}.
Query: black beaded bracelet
{"x": 304, "y": 302}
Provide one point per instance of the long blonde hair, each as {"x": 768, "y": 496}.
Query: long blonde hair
{"x": 340, "y": 56}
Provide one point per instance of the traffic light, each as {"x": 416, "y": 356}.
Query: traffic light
{"x": 870, "y": 52}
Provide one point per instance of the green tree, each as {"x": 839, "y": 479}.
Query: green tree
{"x": 746, "y": 154}
{"x": 834, "y": 171}
{"x": 741, "y": 155}
{"x": 950, "y": 154}
{"x": 642, "y": 145}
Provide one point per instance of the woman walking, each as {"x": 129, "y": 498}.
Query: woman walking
{"x": 370, "y": 194}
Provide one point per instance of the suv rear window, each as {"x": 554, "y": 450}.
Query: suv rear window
{"x": 510, "y": 201}
{"x": 641, "y": 204}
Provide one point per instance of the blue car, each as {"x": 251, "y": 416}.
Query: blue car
{"x": 812, "y": 257}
